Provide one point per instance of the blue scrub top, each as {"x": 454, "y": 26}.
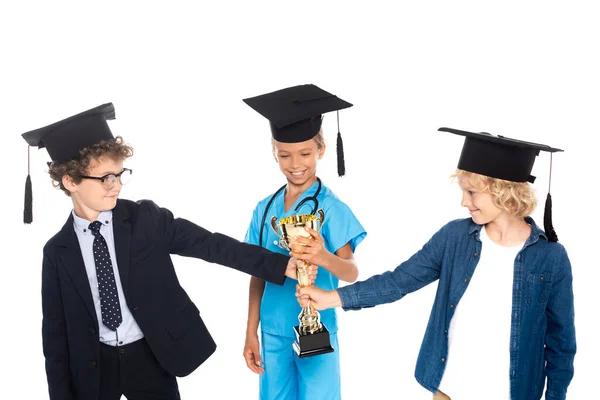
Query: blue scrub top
{"x": 279, "y": 307}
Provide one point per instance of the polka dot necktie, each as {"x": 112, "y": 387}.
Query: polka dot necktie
{"x": 109, "y": 298}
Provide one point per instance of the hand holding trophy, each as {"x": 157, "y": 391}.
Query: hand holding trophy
{"x": 312, "y": 337}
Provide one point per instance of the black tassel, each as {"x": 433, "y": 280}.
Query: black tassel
{"x": 550, "y": 232}
{"x": 28, "y": 211}
{"x": 341, "y": 166}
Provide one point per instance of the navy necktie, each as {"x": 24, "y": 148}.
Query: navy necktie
{"x": 109, "y": 298}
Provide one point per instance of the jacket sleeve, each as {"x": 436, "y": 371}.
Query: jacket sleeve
{"x": 418, "y": 271}
{"x": 54, "y": 334}
{"x": 187, "y": 239}
{"x": 560, "y": 332}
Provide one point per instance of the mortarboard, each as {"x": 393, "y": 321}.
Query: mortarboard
{"x": 64, "y": 139}
{"x": 295, "y": 114}
{"x": 504, "y": 158}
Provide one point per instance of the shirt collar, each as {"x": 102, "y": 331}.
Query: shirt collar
{"x": 536, "y": 232}
{"x": 310, "y": 191}
{"x": 82, "y": 225}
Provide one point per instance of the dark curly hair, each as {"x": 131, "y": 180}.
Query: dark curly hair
{"x": 115, "y": 149}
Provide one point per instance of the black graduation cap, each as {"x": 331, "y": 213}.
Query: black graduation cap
{"x": 504, "y": 158}
{"x": 64, "y": 139}
{"x": 295, "y": 114}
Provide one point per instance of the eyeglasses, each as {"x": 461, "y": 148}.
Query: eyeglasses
{"x": 109, "y": 180}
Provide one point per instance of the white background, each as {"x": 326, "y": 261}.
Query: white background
{"x": 177, "y": 73}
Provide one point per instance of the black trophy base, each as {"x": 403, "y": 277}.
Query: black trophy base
{"x": 312, "y": 344}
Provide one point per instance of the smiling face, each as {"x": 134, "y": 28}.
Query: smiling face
{"x": 488, "y": 198}
{"x": 298, "y": 161}
{"x": 479, "y": 203}
{"x": 90, "y": 196}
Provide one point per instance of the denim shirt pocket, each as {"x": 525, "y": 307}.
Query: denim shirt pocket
{"x": 538, "y": 287}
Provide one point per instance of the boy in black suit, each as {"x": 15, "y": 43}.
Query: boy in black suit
{"x": 115, "y": 319}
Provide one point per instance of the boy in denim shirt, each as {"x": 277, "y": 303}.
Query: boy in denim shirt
{"x": 518, "y": 278}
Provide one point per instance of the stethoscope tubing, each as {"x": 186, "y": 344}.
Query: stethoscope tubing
{"x": 312, "y": 198}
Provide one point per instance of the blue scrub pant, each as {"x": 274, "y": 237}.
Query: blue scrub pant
{"x": 289, "y": 377}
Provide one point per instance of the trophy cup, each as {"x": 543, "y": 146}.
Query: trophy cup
{"x": 312, "y": 337}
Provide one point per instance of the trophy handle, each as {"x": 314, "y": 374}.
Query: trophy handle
{"x": 321, "y": 219}
{"x": 279, "y": 235}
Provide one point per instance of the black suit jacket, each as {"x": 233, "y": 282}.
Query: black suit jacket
{"x": 145, "y": 236}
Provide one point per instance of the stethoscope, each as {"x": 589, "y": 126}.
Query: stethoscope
{"x": 312, "y": 198}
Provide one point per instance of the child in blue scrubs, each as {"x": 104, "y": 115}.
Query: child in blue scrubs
{"x": 295, "y": 116}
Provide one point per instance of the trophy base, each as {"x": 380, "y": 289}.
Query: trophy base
{"x": 312, "y": 344}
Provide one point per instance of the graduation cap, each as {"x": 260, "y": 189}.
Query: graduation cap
{"x": 64, "y": 139}
{"x": 504, "y": 158}
{"x": 295, "y": 114}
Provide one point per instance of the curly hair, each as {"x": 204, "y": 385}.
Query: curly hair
{"x": 516, "y": 198}
{"x": 115, "y": 149}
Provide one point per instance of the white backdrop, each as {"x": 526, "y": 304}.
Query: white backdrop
{"x": 177, "y": 72}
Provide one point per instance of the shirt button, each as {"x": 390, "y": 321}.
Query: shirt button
{"x": 275, "y": 242}
{"x": 120, "y": 342}
{"x": 106, "y": 222}
{"x": 475, "y": 254}
{"x": 446, "y": 331}
{"x": 451, "y": 305}
{"x": 121, "y": 351}
{"x": 92, "y": 331}
{"x": 466, "y": 280}
{"x": 443, "y": 360}
{"x": 92, "y": 364}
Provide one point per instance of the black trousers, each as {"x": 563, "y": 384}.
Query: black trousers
{"x": 133, "y": 371}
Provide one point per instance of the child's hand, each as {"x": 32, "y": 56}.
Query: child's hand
{"x": 319, "y": 298}
{"x": 291, "y": 272}
{"x": 252, "y": 354}
{"x": 310, "y": 249}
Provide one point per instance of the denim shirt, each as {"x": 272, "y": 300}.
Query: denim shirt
{"x": 542, "y": 338}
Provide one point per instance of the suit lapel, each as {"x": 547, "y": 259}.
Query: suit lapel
{"x": 72, "y": 260}
{"x": 122, "y": 233}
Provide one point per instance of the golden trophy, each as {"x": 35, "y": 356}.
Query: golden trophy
{"x": 312, "y": 337}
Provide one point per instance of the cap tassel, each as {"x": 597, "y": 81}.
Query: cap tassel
{"x": 28, "y": 211}
{"x": 548, "y": 228}
{"x": 550, "y": 232}
{"x": 341, "y": 166}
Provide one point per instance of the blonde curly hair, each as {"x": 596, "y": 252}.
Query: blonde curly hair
{"x": 516, "y": 198}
